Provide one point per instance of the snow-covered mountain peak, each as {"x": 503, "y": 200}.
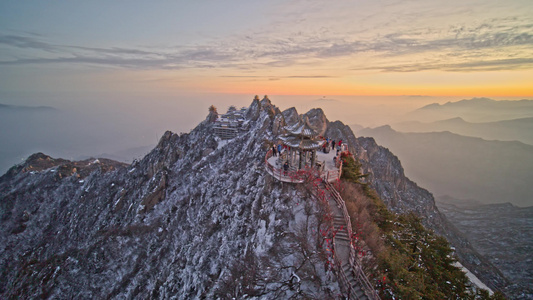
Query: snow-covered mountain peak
{"x": 197, "y": 217}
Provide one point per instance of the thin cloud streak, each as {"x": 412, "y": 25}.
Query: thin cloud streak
{"x": 19, "y": 41}
{"x": 293, "y": 76}
{"x": 280, "y": 52}
{"x": 471, "y": 66}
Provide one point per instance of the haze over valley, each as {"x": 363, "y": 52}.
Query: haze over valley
{"x": 489, "y": 162}
{"x": 486, "y": 162}
{"x": 125, "y": 129}
{"x": 463, "y": 167}
{"x": 115, "y": 184}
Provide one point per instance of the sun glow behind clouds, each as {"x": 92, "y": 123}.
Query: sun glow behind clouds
{"x": 468, "y": 48}
{"x": 433, "y": 83}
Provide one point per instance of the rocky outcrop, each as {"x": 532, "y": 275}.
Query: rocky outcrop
{"x": 213, "y": 114}
{"x": 252, "y": 113}
{"x": 338, "y": 131}
{"x": 278, "y": 125}
{"x": 186, "y": 221}
{"x": 317, "y": 120}
{"x": 291, "y": 116}
{"x": 401, "y": 195}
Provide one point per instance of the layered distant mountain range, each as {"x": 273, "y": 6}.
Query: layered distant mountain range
{"x": 477, "y": 157}
{"x": 506, "y": 130}
{"x": 462, "y": 157}
{"x": 474, "y": 110}
{"x": 463, "y": 167}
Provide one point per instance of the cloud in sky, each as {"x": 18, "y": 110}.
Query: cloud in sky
{"x": 299, "y": 40}
{"x": 286, "y": 51}
{"x": 18, "y": 41}
{"x": 472, "y": 66}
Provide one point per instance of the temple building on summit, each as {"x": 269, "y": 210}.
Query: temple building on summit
{"x": 229, "y": 125}
{"x": 300, "y": 152}
{"x": 302, "y": 144}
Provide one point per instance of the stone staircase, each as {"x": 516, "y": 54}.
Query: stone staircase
{"x": 342, "y": 244}
{"x": 351, "y": 277}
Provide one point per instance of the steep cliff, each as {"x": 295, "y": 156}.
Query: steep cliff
{"x": 196, "y": 218}
{"x": 401, "y": 195}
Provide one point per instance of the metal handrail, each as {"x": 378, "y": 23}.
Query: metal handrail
{"x": 299, "y": 176}
{"x": 344, "y": 280}
{"x": 282, "y": 175}
{"x": 353, "y": 260}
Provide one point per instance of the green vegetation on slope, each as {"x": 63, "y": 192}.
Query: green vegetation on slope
{"x": 404, "y": 259}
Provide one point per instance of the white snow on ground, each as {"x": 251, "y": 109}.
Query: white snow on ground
{"x": 222, "y": 143}
{"x": 473, "y": 278}
{"x": 261, "y": 237}
{"x": 299, "y": 215}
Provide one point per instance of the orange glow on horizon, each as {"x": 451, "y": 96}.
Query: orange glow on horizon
{"x": 490, "y": 84}
{"x": 347, "y": 90}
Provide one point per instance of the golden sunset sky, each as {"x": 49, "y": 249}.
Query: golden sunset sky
{"x": 108, "y": 48}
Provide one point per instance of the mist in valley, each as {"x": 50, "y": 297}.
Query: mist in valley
{"x": 450, "y": 158}
{"x": 465, "y": 173}
{"x": 474, "y": 151}
{"x": 120, "y": 130}
{"x": 125, "y": 129}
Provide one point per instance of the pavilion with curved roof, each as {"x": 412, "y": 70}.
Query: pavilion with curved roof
{"x": 301, "y": 145}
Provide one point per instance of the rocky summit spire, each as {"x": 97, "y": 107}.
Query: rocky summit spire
{"x": 213, "y": 114}
{"x": 186, "y": 221}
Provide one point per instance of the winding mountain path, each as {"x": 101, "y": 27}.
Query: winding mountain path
{"x": 351, "y": 276}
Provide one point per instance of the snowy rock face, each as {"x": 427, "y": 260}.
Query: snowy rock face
{"x": 198, "y": 217}
{"x": 291, "y": 116}
{"x": 401, "y": 195}
{"x": 181, "y": 223}
{"x": 317, "y": 119}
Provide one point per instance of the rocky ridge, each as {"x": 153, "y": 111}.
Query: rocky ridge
{"x": 187, "y": 220}
{"x": 402, "y": 195}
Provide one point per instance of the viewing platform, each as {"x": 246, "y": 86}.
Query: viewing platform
{"x": 302, "y": 155}
{"x": 325, "y": 167}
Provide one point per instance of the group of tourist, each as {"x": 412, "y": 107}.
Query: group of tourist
{"x": 332, "y": 145}
{"x": 277, "y": 150}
